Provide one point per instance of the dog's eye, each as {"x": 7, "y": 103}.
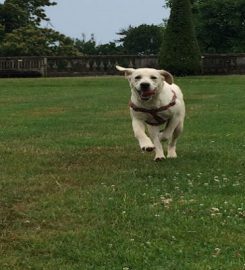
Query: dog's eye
{"x": 153, "y": 77}
{"x": 138, "y": 77}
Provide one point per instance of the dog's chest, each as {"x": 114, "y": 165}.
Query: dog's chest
{"x": 152, "y": 117}
{"x": 157, "y": 114}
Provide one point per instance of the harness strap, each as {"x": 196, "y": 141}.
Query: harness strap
{"x": 153, "y": 112}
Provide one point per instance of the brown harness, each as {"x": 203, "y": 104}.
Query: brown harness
{"x": 154, "y": 112}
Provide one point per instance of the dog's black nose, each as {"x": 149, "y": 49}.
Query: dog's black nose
{"x": 144, "y": 86}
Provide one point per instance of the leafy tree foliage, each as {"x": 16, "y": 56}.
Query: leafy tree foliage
{"x": 33, "y": 41}
{"x": 21, "y": 34}
{"x": 90, "y": 47}
{"x": 12, "y": 16}
{"x": 15, "y": 13}
{"x": 86, "y": 47}
{"x": 110, "y": 48}
{"x": 220, "y": 25}
{"x": 179, "y": 51}
{"x": 144, "y": 39}
{"x": 1, "y": 33}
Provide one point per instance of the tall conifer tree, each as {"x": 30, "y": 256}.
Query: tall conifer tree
{"x": 180, "y": 52}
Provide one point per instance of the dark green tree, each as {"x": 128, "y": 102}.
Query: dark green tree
{"x": 143, "y": 39}
{"x": 21, "y": 33}
{"x": 1, "y": 33}
{"x": 34, "y": 41}
{"x": 12, "y": 16}
{"x": 219, "y": 24}
{"x": 15, "y": 14}
{"x": 90, "y": 47}
{"x": 180, "y": 52}
{"x": 110, "y": 48}
{"x": 86, "y": 47}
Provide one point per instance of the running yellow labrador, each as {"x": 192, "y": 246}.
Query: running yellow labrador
{"x": 155, "y": 102}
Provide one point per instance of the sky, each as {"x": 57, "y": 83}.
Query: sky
{"x": 103, "y": 18}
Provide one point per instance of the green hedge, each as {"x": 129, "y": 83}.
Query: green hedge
{"x": 180, "y": 52}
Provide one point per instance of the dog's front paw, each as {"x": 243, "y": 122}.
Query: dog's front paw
{"x": 160, "y": 158}
{"x": 147, "y": 148}
{"x": 147, "y": 145}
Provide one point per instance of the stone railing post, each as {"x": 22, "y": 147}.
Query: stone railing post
{"x": 44, "y": 66}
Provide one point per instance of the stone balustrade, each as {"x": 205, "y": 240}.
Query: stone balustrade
{"x": 105, "y": 65}
{"x": 95, "y": 65}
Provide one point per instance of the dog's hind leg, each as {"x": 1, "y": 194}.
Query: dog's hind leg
{"x": 168, "y": 131}
{"x": 154, "y": 134}
{"x": 172, "y": 143}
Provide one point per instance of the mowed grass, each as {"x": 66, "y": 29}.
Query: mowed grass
{"x": 77, "y": 192}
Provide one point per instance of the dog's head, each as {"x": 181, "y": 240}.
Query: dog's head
{"x": 146, "y": 82}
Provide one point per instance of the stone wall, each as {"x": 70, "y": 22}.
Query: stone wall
{"x": 95, "y": 65}
{"x": 223, "y": 64}
{"x": 105, "y": 65}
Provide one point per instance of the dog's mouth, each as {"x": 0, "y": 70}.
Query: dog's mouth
{"x": 146, "y": 94}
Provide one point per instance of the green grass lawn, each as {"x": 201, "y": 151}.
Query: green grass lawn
{"x": 77, "y": 193}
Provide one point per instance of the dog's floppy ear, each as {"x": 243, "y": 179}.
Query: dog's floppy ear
{"x": 167, "y": 76}
{"x": 127, "y": 71}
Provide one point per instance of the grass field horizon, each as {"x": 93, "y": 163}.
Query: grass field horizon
{"x": 77, "y": 192}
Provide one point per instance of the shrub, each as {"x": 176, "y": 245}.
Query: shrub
{"x": 179, "y": 51}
